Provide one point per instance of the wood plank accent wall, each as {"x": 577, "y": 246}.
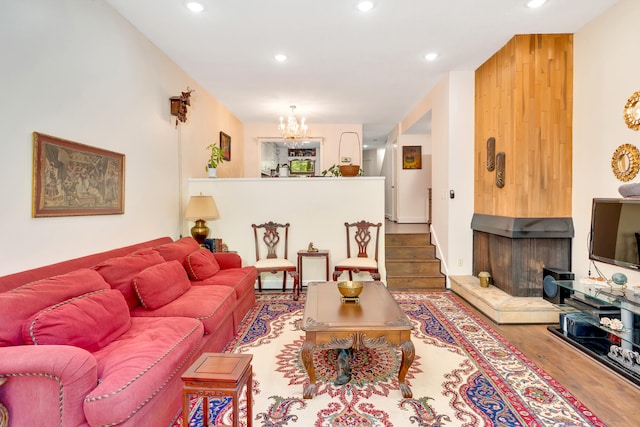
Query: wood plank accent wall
{"x": 524, "y": 98}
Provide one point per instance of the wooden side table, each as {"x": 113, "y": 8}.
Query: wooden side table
{"x": 318, "y": 253}
{"x": 218, "y": 375}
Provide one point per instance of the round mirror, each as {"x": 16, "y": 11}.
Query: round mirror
{"x": 625, "y": 162}
{"x": 632, "y": 111}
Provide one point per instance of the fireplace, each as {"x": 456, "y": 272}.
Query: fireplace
{"x": 515, "y": 250}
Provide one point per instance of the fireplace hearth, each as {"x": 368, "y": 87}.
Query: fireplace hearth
{"x": 515, "y": 250}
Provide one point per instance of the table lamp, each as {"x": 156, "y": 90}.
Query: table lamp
{"x": 201, "y": 208}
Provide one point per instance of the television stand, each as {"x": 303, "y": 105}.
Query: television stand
{"x": 618, "y": 350}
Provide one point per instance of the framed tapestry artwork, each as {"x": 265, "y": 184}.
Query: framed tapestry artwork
{"x": 75, "y": 179}
{"x": 225, "y": 144}
{"x": 412, "y": 157}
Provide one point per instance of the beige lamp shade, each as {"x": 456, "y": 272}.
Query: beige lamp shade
{"x": 201, "y": 208}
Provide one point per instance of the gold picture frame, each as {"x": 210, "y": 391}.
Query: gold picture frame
{"x": 632, "y": 112}
{"x": 412, "y": 157}
{"x": 625, "y": 162}
{"x": 75, "y": 179}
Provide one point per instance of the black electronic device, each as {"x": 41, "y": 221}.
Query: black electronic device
{"x": 614, "y": 227}
{"x": 551, "y": 291}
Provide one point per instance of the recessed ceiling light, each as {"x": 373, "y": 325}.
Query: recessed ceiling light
{"x": 195, "y": 6}
{"x": 365, "y": 6}
{"x": 431, "y": 56}
{"x": 280, "y": 57}
{"x": 535, "y": 3}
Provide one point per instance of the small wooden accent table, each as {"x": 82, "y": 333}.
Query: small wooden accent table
{"x": 308, "y": 253}
{"x": 375, "y": 322}
{"x": 218, "y": 375}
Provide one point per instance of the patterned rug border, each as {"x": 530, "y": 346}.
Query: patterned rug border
{"x": 486, "y": 367}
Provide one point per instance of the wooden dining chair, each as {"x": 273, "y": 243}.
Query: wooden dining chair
{"x": 267, "y": 237}
{"x": 362, "y": 236}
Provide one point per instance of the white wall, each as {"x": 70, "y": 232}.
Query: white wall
{"x": 461, "y": 173}
{"x": 606, "y": 64}
{"x": 413, "y": 184}
{"x": 372, "y": 163}
{"x": 316, "y": 208}
{"x": 77, "y": 70}
{"x": 452, "y": 105}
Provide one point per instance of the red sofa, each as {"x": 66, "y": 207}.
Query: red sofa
{"x": 102, "y": 340}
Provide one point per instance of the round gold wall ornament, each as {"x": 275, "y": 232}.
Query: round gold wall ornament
{"x": 625, "y": 162}
{"x": 632, "y": 111}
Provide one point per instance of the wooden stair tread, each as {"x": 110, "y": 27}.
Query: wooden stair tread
{"x": 411, "y": 262}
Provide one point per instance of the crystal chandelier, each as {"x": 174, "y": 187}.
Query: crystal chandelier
{"x": 293, "y": 132}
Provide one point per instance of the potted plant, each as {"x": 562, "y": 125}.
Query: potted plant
{"x": 283, "y": 169}
{"x": 216, "y": 156}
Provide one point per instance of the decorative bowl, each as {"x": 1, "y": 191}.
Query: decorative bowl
{"x": 619, "y": 279}
{"x": 349, "y": 170}
{"x": 350, "y": 289}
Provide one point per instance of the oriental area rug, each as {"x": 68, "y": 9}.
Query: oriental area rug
{"x": 463, "y": 374}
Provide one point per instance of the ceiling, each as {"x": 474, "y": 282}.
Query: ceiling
{"x": 343, "y": 66}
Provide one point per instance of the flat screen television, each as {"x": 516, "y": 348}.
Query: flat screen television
{"x": 615, "y": 232}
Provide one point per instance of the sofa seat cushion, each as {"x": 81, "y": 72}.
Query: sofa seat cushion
{"x": 18, "y": 304}
{"x": 178, "y": 250}
{"x": 134, "y": 368}
{"x": 90, "y": 321}
{"x": 209, "y": 304}
{"x": 119, "y": 272}
{"x": 201, "y": 264}
{"x": 242, "y": 280}
{"x": 160, "y": 284}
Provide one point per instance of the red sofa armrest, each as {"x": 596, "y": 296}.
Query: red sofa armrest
{"x": 228, "y": 260}
{"x": 45, "y": 371}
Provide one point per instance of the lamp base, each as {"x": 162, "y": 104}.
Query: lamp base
{"x": 200, "y": 231}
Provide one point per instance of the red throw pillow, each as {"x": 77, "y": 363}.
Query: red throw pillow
{"x": 178, "y": 250}
{"x": 90, "y": 321}
{"x": 160, "y": 284}
{"x": 119, "y": 272}
{"x": 201, "y": 265}
{"x": 18, "y": 304}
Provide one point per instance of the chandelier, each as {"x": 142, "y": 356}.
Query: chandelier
{"x": 293, "y": 132}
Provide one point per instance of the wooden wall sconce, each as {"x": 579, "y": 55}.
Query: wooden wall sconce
{"x": 491, "y": 154}
{"x": 179, "y": 105}
{"x": 500, "y": 169}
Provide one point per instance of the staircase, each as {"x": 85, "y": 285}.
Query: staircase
{"x": 411, "y": 262}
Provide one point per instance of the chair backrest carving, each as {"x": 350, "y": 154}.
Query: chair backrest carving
{"x": 271, "y": 238}
{"x": 362, "y": 237}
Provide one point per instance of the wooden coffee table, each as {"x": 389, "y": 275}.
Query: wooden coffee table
{"x": 375, "y": 322}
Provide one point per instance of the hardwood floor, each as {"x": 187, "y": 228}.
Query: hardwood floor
{"x": 612, "y": 398}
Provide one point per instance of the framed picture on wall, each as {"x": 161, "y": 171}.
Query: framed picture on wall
{"x": 75, "y": 179}
{"x": 225, "y": 144}
{"x": 412, "y": 157}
